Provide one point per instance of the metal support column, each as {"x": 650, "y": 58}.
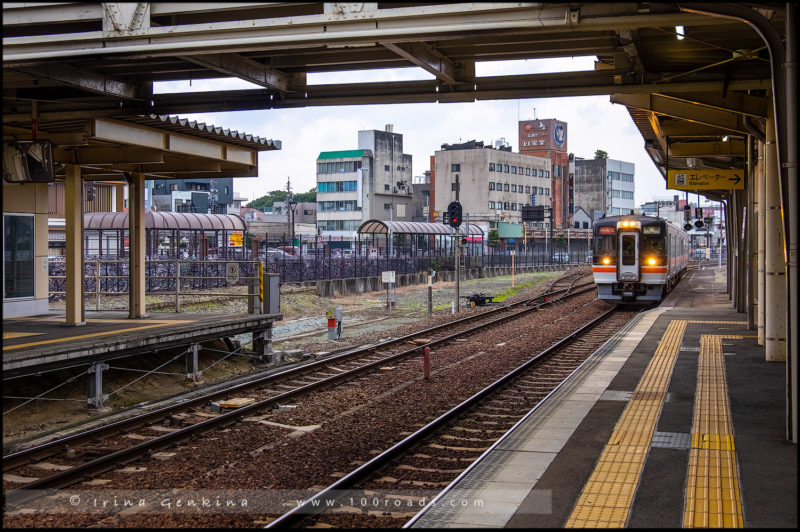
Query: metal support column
{"x": 751, "y": 237}
{"x": 192, "y": 362}
{"x": 95, "y": 396}
{"x": 775, "y": 300}
{"x": 74, "y": 251}
{"x": 761, "y": 190}
{"x": 136, "y": 230}
{"x": 262, "y": 345}
{"x": 741, "y": 259}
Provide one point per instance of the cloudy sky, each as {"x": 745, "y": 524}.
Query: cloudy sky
{"x": 593, "y": 123}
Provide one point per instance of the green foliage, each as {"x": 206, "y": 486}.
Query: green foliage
{"x": 561, "y": 240}
{"x": 280, "y": 196}
{"x": 494, "y": 238}
{"x": 600, "y": 154}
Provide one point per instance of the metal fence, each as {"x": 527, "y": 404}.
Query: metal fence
{"x": 105, "y": 276}
{"x": 110, "y": 275}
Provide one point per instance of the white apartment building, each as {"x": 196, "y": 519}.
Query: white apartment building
{"x": 372, "y": 182}
{"x": 495, "y": 183}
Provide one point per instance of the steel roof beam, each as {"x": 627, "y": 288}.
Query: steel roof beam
{"x": 241, "y": 67}
{"x": 684, "y": 110}
{"x": 428, "y": 59}
{"x": 81, "y": 79}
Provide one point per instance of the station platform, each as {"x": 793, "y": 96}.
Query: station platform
{"x": 677, "y": 421}
{"x": 42, "y": 343}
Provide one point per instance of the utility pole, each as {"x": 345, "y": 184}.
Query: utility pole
{"x": 458, "y": 258}
{"x": 288, "y": 208}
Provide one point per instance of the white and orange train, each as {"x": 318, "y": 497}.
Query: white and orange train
{"x": 637, "y": 258}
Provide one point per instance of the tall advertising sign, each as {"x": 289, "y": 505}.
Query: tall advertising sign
{"x": 542, "y": 135}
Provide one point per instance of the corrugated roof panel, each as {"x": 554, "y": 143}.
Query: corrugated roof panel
{"x": 188, "y": 221}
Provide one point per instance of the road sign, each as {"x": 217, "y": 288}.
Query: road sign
{"x": 387, "y": 276}
{"x": 232, "y": 272}
{"x": 706, "y": 179}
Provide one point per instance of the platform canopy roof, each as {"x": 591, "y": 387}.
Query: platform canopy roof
{"x": 184, "y": 221}
{"x": 160, "y": 146}
{"x": 381, "y": 227}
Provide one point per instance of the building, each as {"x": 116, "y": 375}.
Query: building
{"x": 203, "y": 196}
{"x": 372, "y": 182}
{"x": 548, "y": 138}
{"x": 495, "y": 183}
{"x": 604, "y": 185}
{"x": 581, "y": 219}
{"x": 421, "y": 204}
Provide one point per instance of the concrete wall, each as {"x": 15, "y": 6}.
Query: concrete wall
{"x": 589, "y": 191}
{"x": 360, "y": 285}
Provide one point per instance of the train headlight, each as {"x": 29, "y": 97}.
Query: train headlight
{"x": 652, "y": 261}
{"x": 606, "y": 260}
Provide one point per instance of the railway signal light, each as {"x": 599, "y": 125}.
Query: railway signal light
{"x": 454, "y": 214}
{"x": 698, "y": 223}
{"x": 687, "y": 226}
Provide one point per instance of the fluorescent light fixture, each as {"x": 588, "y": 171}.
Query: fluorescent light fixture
{"x": 679, "y": 32}
{"x": 725, "y": 138}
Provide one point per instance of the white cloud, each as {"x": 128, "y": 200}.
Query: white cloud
{"x": 593, "y": 123}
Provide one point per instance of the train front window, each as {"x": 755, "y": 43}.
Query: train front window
{"x": 653, "y": 246}
{"x": 605, "y": 246}
{"x": 628, "y": 250}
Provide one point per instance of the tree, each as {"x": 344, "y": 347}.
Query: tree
{"x": 280, "y": 196}
{"x": 494, "y": 238}
{"x": 600, "y": 154}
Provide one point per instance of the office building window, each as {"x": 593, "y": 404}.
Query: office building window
{"x": 505, "y": 168}
{"x": 491, "y": 167}
{"x": 505, "y": 205}
{"x": 387, "y": 206}
{"x": 491, "y": 185}
{"x": 513, "y": 188}
{"x": 491, "y": 205}
{"x": 386, "y": 187}
{"x": 527, "y": 190}
{"x": 513, "y": 169}
{"x": 455, "y": 168}
{"x": 505, "y": 187}
{"x": 513, "y": 206}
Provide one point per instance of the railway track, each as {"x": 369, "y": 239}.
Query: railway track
{"x": 380, "y": 492}
{"x": 89, "y": 453}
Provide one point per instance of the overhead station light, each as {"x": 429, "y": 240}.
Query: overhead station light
{"x": 679, "y": 32}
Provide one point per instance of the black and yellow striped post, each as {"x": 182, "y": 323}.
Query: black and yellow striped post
{"x": 260, "y": 282}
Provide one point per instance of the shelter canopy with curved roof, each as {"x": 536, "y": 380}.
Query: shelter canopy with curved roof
{"x": 381, "y": 227}
{"x": 182, "y": 221}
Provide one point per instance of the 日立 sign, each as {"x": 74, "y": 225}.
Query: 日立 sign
{"x": 705, "y": 179}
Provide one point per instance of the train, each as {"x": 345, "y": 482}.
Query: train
{"x": 637, "y": 259}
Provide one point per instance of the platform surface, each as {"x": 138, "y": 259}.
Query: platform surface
{"x": 678, "y": 421}
{"x": 45, "y": 342}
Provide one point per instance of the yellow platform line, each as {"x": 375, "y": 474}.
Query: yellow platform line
{"x": 10, "y": 335}
{"x": 93, "y": 335}
{"x": 606, "y": 498}
{"x": 712, "y": 491}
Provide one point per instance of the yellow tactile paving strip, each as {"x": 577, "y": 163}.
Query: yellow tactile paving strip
{"x": 712, "y": 491}
{"x": 606, "y": 499}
